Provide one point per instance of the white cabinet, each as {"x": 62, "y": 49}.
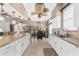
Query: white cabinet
{"x": 68, "y": 17}
{"x": 21, "y": 45}
{"x": 62, "y": 47}
{"x": 59, "y": 46}
{"x": 68, "y": 49}
{"x": 52, "y": 41}
{"x": 7, "y": 50}
{"x": 56, "y": 44}
{"x": 76, "y": 14}
{"x": 15, "y": 48}
{"x": 55, "y": 23}
{"x": 18, "y": 48}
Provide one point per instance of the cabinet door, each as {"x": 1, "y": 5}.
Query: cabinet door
{"x": 18, "y": 47}
{"x": 24, "y": 43}
{"x": 56, "y": 43}
{"x": 7, "y": 50}
{"x": 68, "y": 18}
{"x": 59, "y": 46}
{"x": 68, "y": 49}
{"x": 21, "y": 45}
{"x": 76, "y": 14}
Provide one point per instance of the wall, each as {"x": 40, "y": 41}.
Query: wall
{"x": 5, "y": 26}
{"x": 72, "y": 33}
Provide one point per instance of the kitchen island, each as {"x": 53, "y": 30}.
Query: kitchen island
{"x": 14, "y": 47}
{"x": 6, "y": 39}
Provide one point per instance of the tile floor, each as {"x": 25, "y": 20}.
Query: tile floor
{"x": 36, "y": 48}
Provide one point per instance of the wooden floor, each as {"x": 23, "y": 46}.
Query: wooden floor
{"x": 36, "y": 48}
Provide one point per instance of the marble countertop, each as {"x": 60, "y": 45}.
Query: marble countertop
{"x": 70, "y": 40}
{"x": 8, "y": 39}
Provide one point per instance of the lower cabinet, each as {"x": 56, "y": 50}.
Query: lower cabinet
{"x": 7, "y": 50}
{"x": 15, "y": 48}
{"x": 21, "y": 45}
{"x": 68, "y": 49}
{"x": 62, "y": 47}
{"x": 56, "y": 44}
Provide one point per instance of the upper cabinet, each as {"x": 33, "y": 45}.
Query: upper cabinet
{"x": 76, "y": 14}
{"x": 66, "y": 16}
{"x": 56, "y": 17}
{"x": 56, "y": 23}
{"x": 70, "y": 17}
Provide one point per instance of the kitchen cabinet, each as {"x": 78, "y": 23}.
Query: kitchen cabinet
{"x": 21, "y": 45}
{"x": 55, "y": 23}
{"x": 7, "y": 50}
{"x": 68, "y": 49}
{"x": 56, "y": 20}
{"x": 52, "y": 41}
{"x": 62, "y": 47}
{"x": 56, "y": 44}
{"x": 15, "y": 48}
{"x": 69, "y": 17}
{"x": 76, "y": 14}
{"x": 59, "y": 46}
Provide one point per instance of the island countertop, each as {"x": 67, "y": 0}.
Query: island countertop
{"x": 9, "y": 38}
{"x": 6, "y": 39}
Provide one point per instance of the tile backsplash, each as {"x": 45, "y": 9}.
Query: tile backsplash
{"x": 72, "y": 34}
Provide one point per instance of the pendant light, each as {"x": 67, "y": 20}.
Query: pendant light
{"x": 1, "y": 16}
{"x": 13, "y": 22}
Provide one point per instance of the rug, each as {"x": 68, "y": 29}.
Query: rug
{"x": 49, "y": 52}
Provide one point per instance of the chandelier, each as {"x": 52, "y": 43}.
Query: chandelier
{"x": 40, "y": 10}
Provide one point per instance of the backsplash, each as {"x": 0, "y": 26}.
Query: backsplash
{"x": 72, "y": 34}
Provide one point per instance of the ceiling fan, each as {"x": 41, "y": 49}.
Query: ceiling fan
{"x": 40, "y": 10}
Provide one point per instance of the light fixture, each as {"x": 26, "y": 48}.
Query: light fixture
{"x": 40, "y": 10}
{"x": 1, "y": 30}
{"x": 1, "y": 17}
{"x": 24, "y": 25}
{"x": 13, "y": 22}
{"x": 20, "y": 24}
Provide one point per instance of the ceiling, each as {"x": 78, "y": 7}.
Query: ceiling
{"x": 19, "y": 7}
{"x": 30, "y": 9}
{"x": 25, "y": 10}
